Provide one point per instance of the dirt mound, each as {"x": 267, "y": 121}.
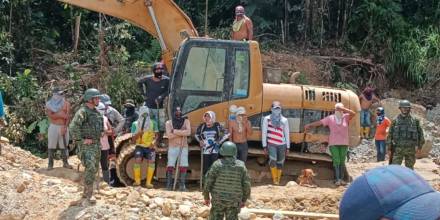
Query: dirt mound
{"x": 290, "y": 63}
{"x": 15, "y": 157}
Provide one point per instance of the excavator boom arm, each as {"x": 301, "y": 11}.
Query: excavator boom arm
{"x": 163, "y": 19}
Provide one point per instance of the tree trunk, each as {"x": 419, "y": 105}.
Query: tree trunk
{"x": 283, "y": 39}
{"x": 77, "y": 26}
{"x": 103, "y": 49}
{"x": 306, "y": 19}
{"x": 206, "y": 18}
{"x": 321, "y": 6}
{"x": 286, "y": 22}
{"x": 10, "y": 37}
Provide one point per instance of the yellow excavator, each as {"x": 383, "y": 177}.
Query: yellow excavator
{"x": 211, "y": 74}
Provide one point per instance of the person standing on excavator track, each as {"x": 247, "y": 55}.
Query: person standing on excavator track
{"x": 87, "y": 127}
{"x": 58, "y": 112}
{"x": 145, "y": 135}
{"x": 367, "y": 98}
{"x": 276, "y": 140}
{"x": 177, "y": 130}
{"x": 240, "y": 130}
{"x": 339, "y": 139}
{"x": 155, "y": 89}
{"x": 242, "y": 28}
{"x": 210, "y": 134}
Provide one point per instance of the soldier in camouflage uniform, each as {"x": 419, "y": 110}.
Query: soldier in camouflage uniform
{"x": 405, "y": 136}
{"x": 228, "y": 183}
{"x": 86, "y": 129}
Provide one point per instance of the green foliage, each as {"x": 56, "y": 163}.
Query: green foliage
{"x": 302, "y": 79}
{"x": 376, "y": 22}
{"x": 347, "y": 85}
{"x": 415, "y": 58}
{"x": 121, "y": 85}
{"x": 25, "y": 101}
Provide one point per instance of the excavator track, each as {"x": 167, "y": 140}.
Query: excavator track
{"x": 125, "y": 157}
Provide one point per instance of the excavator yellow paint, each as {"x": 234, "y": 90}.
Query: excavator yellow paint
{"x": 174, "y": 24}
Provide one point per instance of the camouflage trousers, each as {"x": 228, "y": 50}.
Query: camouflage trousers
{"x": 90, "y": 156}
{"x": 407, "y": 153}
{"x": 220, "y": 211}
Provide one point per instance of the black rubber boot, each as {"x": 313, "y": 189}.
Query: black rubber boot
{"x": 170, "y": 182}
{"x": 342, "y": 170}
{"x": 50, "y": 155}
{"x": 106, "y": 176}
{"x": 182, "y": 180}
{"x": 337, "y": 169}
{"x": 65, "y": 155}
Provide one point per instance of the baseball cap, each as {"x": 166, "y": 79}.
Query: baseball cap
{"x": 105, "y": 99}
{"x": 276, "y": 104}
{"x": 393, "y": 192}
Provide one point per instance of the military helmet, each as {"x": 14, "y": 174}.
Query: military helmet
{"x": 404, "y": 104}
{"x": 91, "y": 93}
{"x": 228, "y": 149}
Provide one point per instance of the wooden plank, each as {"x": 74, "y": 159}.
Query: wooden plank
{"x": 271, "y": 212}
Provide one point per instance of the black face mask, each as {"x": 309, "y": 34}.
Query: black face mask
{"x": 158, "y": 74}
{"x": 129, "y": 111}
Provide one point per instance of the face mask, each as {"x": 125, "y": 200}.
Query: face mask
{"x": 158, "y": 74}
{"x": 240, "y": 118}
{"x": 276, "y": 111}
{"x": 339, "y": 114}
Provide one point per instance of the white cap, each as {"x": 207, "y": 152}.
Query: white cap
{"x": 240, "y": 111}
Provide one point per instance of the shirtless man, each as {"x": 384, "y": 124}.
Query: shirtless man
{"x": 367, "y": 98}
{"x": 240, "y": 130}
{"x": 242, "y": 28}
{"x": 58, "y": 112}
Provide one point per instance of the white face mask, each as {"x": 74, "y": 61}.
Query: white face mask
{"x": 339, "y": 114}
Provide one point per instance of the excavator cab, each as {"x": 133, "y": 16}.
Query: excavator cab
{"x": 209, "y": 74}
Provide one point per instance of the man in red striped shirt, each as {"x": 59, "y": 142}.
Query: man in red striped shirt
{"x": 276, "y": 142}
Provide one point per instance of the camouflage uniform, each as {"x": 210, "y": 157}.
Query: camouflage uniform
{"x": 229, "y": 184}
{"x": 404, "y": 136}
{"x": 88, "y": 124}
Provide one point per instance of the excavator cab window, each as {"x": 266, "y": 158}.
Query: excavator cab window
{"x": 199, "y": 76}
{"x": 241, "y": 74}
{"x": 208, "y": 72}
